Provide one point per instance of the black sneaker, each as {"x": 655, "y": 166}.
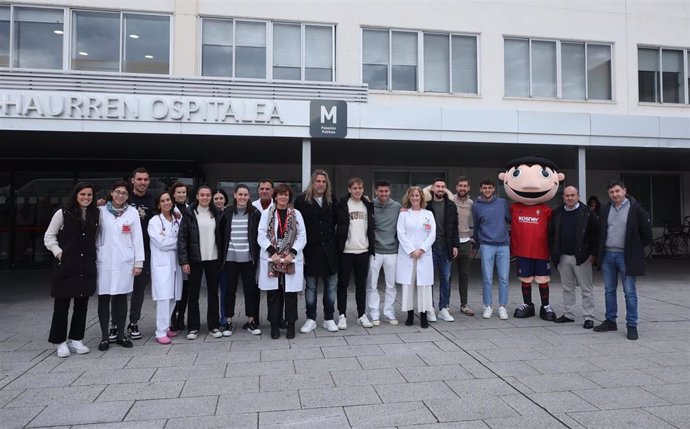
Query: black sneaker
{"x": 524, "y": 311}
{"x": 564, "y": 319}
{"x": 547, "y": 313}
{"x": 252, "y": 328}
{"x": 124, "y": 342}
{"x": 632, "y": 333}
{"x": 606, "y": 325}
{"x": 588, "y": 324}
{"x": 227, "y": 330}
{"x": 133, "y": 331}
{"x": 112, "y": 336}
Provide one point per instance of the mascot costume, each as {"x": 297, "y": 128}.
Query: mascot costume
{"x": 531, "y": 181}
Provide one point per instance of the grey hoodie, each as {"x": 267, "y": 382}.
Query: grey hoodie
{"x": 385, "y": 226}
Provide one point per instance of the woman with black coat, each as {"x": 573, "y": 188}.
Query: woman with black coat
{"x": 71, "y": 237}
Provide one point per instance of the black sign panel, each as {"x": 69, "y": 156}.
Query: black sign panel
{"x": 328, "y": 118}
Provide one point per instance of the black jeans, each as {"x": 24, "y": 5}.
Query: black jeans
{"x": 139, "y": 290}
{"x": 177, "y": 318}
{"x": 233, "y": 271}
{"x": 58, "y": 327}
{"x": 210, "y": 268}
{"x": 277, "y": 299}
{"x": 360, "y": 263}
{"x": 119, "y": 313}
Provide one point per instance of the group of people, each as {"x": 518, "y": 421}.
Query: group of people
{"x": 117, "y": 246}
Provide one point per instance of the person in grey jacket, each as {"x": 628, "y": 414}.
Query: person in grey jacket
{"x": 386, "y": 213}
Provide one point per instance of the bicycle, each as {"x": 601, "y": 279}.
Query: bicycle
{"x": 674, "y": 241}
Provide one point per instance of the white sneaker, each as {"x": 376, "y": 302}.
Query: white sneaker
{"x": 330, "y": 326}
{"x": 487, "y": 312}
{"x": 215, "y": 333}
{"x": 431, "y": 316}
{"x": 365, "y": 322}
{"x": 63, "y": 350}
{"x": 502, "y": 313}
{"x": 342, "y": 322}
{"x": 393, "y": 321}
{"x": 192, "y": 335}
{"x": 376, "y": 322}
{"x": 444, "y": 314}
{"x": 309, "y": 326}
{"x": 77, "y": 347}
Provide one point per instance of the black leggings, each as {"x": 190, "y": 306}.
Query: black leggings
{"x": 119, "y": 310}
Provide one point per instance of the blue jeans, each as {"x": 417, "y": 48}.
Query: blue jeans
{"x": 611, "y": 266}
{"x": 442, "y": 263}
{"x": 330, "y": 284}
{"x": 500, "y": 255}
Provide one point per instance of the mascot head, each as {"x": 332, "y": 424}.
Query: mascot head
{"x": 531, "y": 180}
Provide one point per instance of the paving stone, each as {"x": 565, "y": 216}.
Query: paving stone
{"x": 220, "y": 386}
{"x": 427, "y": 335}
{"x": 21, "y": 356}
{"x": 358, "y": 340}
{"x": 522, "y": 421}
{"x": 392, "y": 362}
{"x": 235, "y": 421}
{"x": 677, "y": 415}
{"x": 511, "y": 368}
{"x": 435, "y": 373}
{"x": 260, "y": 344}
{"x": 408, "y": 349}
{"x": 620, "y": 397}
{"x": 561, "y": 402}
{"x": 556, "y": 382}
{"x": 619, "y": 419}
{"x": 257, "y": 402}
{"x": 367, "y": 377}
{"x": 331, "y": 418}
{"x": 292, "y": 354}
{"x": 114, "y": 376}
{"x": 56, "y": 379}
{"x": 326, "y": 365}
{"x": 164, "y": 360}
{"x": 18, "y": 417}
{"x": 142, "y": 391}
{"x": 490, "y": 386}
{"x": 446, "y": 358}
{"x": 56, "y": 395}
{"x": 623, "y": 378}
{"x": 140, "y": 424}
{"x": 354, "y": 351}
{"x": 680, "y": 374}
{"x": 280, "y": 382}
{"x": 668, "y": 359}
{"x": 381, "y": 415}
{"x": 172, "y": 408}
{"x": 6, "y": 396}
{"x": 10, "y": 346}
{"x": 279, "y": 367}
{"x": 478, "y": 370}
{"x": 306, "y": 341}
{"x": 511, "y": 354}
{"x": 410, "y": 392}
{"x": 213, "y": 358}
{"x": 630, "y": 362}
{"x": 523, "y": 405}
{"x": 469, "y": 408}
{"x": 87, "y": 364}
{"x": 672, "y": 393}
{"x": 199, "y": 347}
{"x": 561, "y": 366}
{"x": 473, "y": 424}
{"x": 338, "y": 397}
{"x": 83, "y": 413}
{"x": 170, "y": 373}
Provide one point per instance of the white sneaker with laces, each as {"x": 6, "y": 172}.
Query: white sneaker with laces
{"x": 502, "y": 313}
{"x": 63, "y": 350}
{"x": 365, "y": 322}
{"x": 488, "y": 311}
{"x": 342, "y": 322}
{"x": 77, "y": 347}
{"x": 444, "y": 314}
{"x": 192, "y": 335}
{"x": 431, "y": 316}
{"x": 393, "y": 321}
{"x": 215, "y": 333}
{"x": 330, "y": 326}
{"x": 376, "y": 322}
{"x": 308, "y": 326}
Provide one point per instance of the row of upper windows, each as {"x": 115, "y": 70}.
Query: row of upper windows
{"x": 392, "y": 60}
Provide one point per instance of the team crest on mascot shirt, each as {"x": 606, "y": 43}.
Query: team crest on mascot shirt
{"x": 531, "y": 181}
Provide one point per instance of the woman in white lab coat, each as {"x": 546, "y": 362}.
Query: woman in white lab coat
{"x": 120, "y": 257}
{"x": 281, "y": 237}
{"x": 415, "y": 265}
{"x": 166, "y": 273}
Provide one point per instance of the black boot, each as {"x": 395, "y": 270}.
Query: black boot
{"x": 290, "y": 330}
{"x": 275, "y": 330}
{"x": 410, "y": 318}
{"x": 424, "y": 322}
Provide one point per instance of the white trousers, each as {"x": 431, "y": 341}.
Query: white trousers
{"x": 571, "y": 276}
{"x": 164, "y": 309}
{"x": 376, "y": 262}
{"x": 425, "y": 300}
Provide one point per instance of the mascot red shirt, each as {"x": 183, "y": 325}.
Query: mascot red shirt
{"x": 531, "y": 181}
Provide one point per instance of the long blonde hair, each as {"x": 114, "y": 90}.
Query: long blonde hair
{"x": 309, "y": 193}
{"x": 406, "y": 199}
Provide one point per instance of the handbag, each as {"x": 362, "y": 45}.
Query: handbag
{"x": 281, "y": 268}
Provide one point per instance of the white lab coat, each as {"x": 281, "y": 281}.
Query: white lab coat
{"x": 166, "y": 273}
{"x": 119, "y": 246}
{"x": 416, "y": 230}
{"x": 293, "y": 282}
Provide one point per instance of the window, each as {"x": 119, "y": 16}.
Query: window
{"x": 4, "y": 36}
{"x": 662, "y": 75}
{"x": 659, "y": 194}
{"x": 532, "y": 69}
{"x": 243, "y": 49}
{"x": 390, "y": 60}
{"x": 38, "y": 37}
{"x": 120, "y": 42}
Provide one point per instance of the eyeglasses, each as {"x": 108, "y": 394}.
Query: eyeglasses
{"x": 121, "y": 193}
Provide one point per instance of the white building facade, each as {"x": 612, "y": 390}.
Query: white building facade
{"x": 228, "y": 92}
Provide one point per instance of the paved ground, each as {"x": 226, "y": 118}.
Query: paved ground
{"x": 472, "y": 373}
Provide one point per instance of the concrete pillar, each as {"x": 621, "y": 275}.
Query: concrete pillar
{"x": 582, "y": 172}
{"x": 306, "y": 162}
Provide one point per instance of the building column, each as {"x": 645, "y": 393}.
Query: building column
{"x": 306, "y": 162}
{"x": 582, "y": 172}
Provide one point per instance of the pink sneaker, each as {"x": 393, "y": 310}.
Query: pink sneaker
{"x": 171, "y": 333}
{"x": 163, "y": 340}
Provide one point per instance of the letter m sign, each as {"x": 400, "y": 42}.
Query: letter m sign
{"x": 328, "y": 118}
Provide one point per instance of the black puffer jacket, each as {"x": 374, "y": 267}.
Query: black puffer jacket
{"x": 638, "y": 234}
{"x": 188, "y": 250}
{"x": 586, "y": 234}
{"x": 343, "y": 219}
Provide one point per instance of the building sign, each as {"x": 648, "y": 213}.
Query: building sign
{"x": 328, "y": 118}
{"x": 81, "y": 106}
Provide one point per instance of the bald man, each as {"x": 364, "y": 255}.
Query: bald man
{"x": 573, "y": 238}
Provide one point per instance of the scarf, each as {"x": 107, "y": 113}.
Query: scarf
{"x": 289, "y": 229}
{"x": 115, "y": 211}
